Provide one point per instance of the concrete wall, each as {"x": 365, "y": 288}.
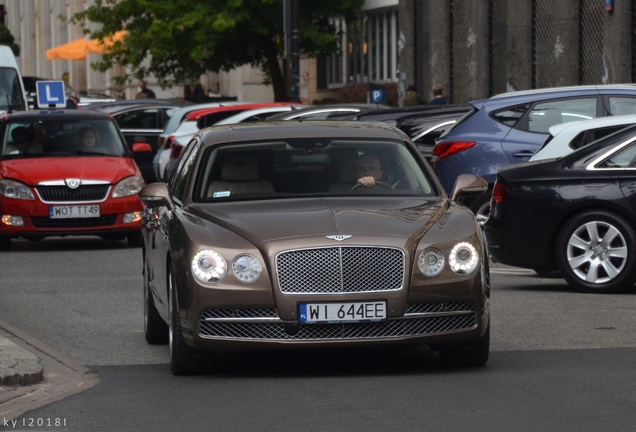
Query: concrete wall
{"x": 453, "y": 40}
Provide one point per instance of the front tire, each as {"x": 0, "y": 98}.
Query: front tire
{"x": 596, "y": 252}
{"x": 475, "y": 356}
{"x": 182, "y": 362}
{"x": 155, "y": 328}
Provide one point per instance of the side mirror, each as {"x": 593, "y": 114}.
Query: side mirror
{"x": 141, "y": 147}
{"x": 156, "y": 195}
{"x": 468, "y": 185}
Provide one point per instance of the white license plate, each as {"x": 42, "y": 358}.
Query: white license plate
{"x": 75, "y": 211}
{"x": 312, "y": 313}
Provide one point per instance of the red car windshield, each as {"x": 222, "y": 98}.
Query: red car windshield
{"x": 61, "y": 138}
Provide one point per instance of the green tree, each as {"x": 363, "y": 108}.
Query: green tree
{"x": 178, "y": 40}
{"x": 6, "y": 38}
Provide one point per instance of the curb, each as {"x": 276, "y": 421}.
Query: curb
{"x": 18, "y": 367}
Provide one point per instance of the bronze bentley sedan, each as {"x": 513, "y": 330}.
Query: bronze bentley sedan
{"x": 296, "y": 234}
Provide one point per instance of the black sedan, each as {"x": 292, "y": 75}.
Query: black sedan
{"x": 573, "y": 214}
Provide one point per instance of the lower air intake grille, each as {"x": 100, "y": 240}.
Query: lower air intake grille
{"x": 258, "y": 324}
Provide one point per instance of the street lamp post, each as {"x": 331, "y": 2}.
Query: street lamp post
{"x": 292, "y": 41}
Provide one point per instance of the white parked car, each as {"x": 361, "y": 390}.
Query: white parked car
{"x": 567, "y": 137}
{"x": 257, "y": 114}
{"x": 199, "y": 119}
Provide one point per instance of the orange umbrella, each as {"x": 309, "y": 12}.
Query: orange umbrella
{"x": 77, "y": 49}
{"x": 96, "y": 46}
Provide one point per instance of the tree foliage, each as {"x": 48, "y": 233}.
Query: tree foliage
{"x": 6, "y": 38}
{"x": 177, "y": 41}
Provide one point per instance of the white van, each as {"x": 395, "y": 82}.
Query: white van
{"x": 12, "y": 94}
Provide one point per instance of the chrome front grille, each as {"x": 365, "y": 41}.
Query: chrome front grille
{"x": 62, "y": 194}
{"x": 340, "y": 270}
{"x": 264, "y": 324}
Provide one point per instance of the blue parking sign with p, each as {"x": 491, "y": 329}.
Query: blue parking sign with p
{"x": 51, "y": 94}
{"x": 377, "y": 95}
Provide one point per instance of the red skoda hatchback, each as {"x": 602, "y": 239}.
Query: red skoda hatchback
{"x": 67, "y": 172}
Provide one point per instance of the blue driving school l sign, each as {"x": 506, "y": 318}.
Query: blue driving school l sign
{"x": 51, "y": 94}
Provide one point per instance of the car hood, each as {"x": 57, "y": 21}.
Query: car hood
{"x": 37, "y": 170}
{"x": 261, "y": 222}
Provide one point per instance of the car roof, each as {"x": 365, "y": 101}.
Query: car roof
{"x": 115, "y": 107}
{"x": 556, "y": 92}
{"x": 242, "y": 115}
{"x": 56, "y": 114}
{"x": 326, "y": 129}
{"x": 598, "y": 122}
{"x": 417, "y": 110}
{"x": 195, "y": 115}
{"x": 331, "y": 108}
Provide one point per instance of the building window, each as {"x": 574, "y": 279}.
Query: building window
{"x": 368, "y": 51}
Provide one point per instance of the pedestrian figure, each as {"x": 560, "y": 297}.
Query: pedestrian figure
{"x": 438, "y": 96}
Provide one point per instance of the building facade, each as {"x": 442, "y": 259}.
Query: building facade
{"x": 474, "y": 48}
{"x": 478, "y": 48}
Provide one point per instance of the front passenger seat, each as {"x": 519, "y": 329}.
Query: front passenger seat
{"x": 240, "y": 175}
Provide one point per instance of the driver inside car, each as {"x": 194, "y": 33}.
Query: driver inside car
{"x": 368, "y": 170}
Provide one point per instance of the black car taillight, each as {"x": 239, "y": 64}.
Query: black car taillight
{"x": 445, "y": 149}
{"x": 498, "y": 192}
{"x": 496, "y": 199}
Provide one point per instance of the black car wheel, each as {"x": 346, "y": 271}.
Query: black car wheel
{"x": 181, "y": 360}
{"x": 596, "y": 252}
{"x": 155, "y": 328}
{"x": 476, "y": 355}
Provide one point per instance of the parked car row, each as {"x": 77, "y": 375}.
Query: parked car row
{"x": 424, "y": 124}
{"x": 508, "y": 129}
{"x": 195, "y": 119}
{"x": 561, "y": 166}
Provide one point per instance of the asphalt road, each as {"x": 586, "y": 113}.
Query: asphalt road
{"x": 560, "y": 361}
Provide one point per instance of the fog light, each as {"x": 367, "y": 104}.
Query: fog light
{"x": 12, "y": 220}
{"x": 132, "y": 217}
{"x": 463, "y": 258}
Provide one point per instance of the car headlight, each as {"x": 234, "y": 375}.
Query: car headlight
{"x": 463, "y": 258}
{"x": 16, "y": 190}
{"x": 209, "y": 266}
{"x": 246, "y": 268}
{"x": 128, "y": 186}
{"x": 431, "y": 262}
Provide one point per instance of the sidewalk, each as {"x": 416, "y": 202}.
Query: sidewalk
{"x": 18, "y": 367}
{"x": 24, "y": 384}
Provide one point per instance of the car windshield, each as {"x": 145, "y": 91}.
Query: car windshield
{"x": 297, "y": 167}
{"x": 44, "y": 138}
